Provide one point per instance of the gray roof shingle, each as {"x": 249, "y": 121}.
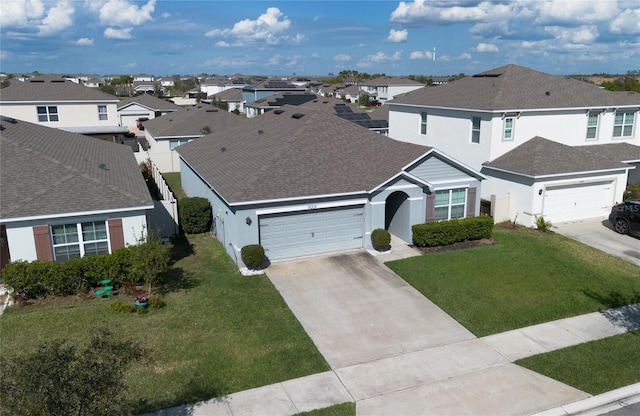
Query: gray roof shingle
{"x": 543, "y": 157}
{"x": 513, "y": 87}
{"x": 620, "y": 152}
{"x": 48, "y": 89}
{"x": 48, "y": 172}
{"x": 277, "y": 156}
{"x": 191, "y": 121}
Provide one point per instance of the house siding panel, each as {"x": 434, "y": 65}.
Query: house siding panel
{"x": 43, "y": 243}
{"x": 435, "y": 169}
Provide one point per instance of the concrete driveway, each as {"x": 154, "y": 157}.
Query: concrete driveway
{"x": 395, "y": 352}
{"x": 599, "y": 234}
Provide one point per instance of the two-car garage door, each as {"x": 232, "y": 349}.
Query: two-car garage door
{"x": 578, "y": 201}
{"x": 311, "y": 232}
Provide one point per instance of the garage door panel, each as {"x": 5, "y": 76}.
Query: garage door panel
{"x": 311, "y": 232}
{"x": 578, "y": 201}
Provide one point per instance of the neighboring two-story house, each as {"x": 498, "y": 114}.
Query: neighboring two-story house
{"x": 384, "y": 89}
{"x": 143, "y": 106}
{"x": 264, "y": 89}
{"x": 481, "y": 118}
{"x": 55, "y": 102}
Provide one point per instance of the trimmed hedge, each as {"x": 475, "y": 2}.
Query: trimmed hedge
{"x": 380, "y": 239}
{"x": 195, "y": 215}
{"x": 442, "y": 233}
{"x": 252, "y": 256}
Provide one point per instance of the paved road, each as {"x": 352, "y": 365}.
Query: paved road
{"x": 631, "y": 410}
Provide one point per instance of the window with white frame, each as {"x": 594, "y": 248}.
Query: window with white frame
{"x": 450, "y": 203}
{"x": 47, "y": 113}
{"x": 475, "y": 130}
{"x": 507, "y": 131}
{"x": 177, "y": 142}
{"x": 423, "y": 123}
{"x": 79, "y": 240}
{"x": 623, "y": 124}
{"x": 592, "y": 126}
{"x": 102, "y": 112}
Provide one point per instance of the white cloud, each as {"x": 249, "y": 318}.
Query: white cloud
{"x": 122, "y": 13}
{"x": 628, "y": 22}
{"x": 465, "y": 56}
{"x": 486, "y": 47}
{"x": 397, "y": 35}
{"x": 581, "y": 35}
{"x": 572, "y": 12}
{"x": 131, "y": 65}
{"x": 421, "y": 55}
{"x": 85, "y": 42}
{"x": 59, "y": 17}
{"x": 222, "y": 44}
{"x": 166, "y": 15}
{"x": 379, "y": 57}
{"x": 341, "y": 57}
{"x": 20, "y": 13}
{"x": 230, "y": 62}
{"x": 444, "y": 12}
{"x": 111, "y": 33}
{"x": 269, "y": 28}
{"x": 4, "y": 55}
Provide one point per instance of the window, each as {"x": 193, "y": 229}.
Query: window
{"x": 47, "y": 113}
{"x": 423, "y": 123}
{"x": 507, "y": 133}
{"x": 450, "y": 203}
{"x": 592, "y": 126}
{"x": 623, "y": 124}
{"x": 475, "y": 130}
{"x": 175, "y": 143}
{"x": 79, "y": 240}
{"x": 102, "y": 112}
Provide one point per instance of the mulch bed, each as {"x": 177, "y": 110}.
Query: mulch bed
{"x": 458, "y": 246}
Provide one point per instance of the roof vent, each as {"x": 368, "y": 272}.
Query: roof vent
{"x": 103, "y": 166}
{"x": 260, "y": 132}
{"x": 62, "y": 81}
{"x": 8, "y": 120}
{"x": 36, "y": 80}
{"x": 212, "y": 111}
{"x": 297, "y": 116}
{"x": 223, "y": 149}
{"x": 278, "y": 111}
{"x": 548, "y": 93}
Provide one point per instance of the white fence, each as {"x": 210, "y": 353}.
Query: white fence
{"x": 164, "y": 217}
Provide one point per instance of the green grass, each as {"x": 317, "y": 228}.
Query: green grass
{"x": 174, "y": 182}
{"x": 594, "y": 367}
{"x": 220, "y": 332}
{"x": 344, "y": 409}
{"x": 526, "y": 278}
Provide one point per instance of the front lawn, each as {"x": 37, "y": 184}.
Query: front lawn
{"x": 526, "y": 278}
{"x": 594, "y": 367}
{"x": 220, "y": 332}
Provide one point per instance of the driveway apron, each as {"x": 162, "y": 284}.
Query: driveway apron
{"x": 396, "y": 352}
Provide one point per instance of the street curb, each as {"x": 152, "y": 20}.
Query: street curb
{"x": 598, "y": 405}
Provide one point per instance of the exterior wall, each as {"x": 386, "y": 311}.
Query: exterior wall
{"x": 395, "y": 90}
{"x": 450, "y": 131}
{"x": 160, "y": 152}
{"x": 69, "y": 114}
{"x": 376, "y": 209}
{"x": 134, "y": 111}
{"x": 22, "y": 244}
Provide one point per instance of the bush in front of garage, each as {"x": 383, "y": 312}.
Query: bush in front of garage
{"x": 195, "y": 215}
{"x": 632, "y": 191}
{"x": 252, "y": 256}
{"x": 442, "y": 233}
{"x": 380, "y": 239}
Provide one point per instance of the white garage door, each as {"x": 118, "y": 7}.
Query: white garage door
{"x": 311, "y": 232}
{"x": 130, "y": 120}
{"x": 578, "y": 201}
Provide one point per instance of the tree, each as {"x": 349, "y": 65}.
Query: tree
{"x": 61, "y": 379}
{"x": 363, "y": 99}
{"x": 149, "y": 258}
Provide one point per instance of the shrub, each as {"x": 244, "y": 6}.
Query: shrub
{"x": 119, "y": 306}
{"x": 252, "y": 256}
{"x": 156, "y": 302}
{"x": 195, "y": 215}
{"x": 441, "y": 233}
{"x": 632, "y": 191}
{"x": 380, "y": 239}
{"x": 541, "y": 224}
{"x": 142, "y": 310}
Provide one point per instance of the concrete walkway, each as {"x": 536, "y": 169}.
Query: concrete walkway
{"x": 396, "y": 363}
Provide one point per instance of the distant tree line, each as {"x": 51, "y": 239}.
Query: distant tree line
{"x": 629, "y": 82}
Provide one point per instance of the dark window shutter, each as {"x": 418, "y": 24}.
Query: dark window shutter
{"x": 116, "y": 235}
{"x": 42, "y": 240}
{"x": 431, "y": 206}
{"x": 471, "y": 202}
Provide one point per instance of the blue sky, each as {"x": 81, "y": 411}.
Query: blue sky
{"x": 164, "y": 37}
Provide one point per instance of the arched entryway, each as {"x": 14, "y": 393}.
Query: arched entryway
{"x": 397, "y": 218}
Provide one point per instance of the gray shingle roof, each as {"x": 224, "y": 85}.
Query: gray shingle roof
{"x": 48, "y": 172}
{"x": 149, "y": 101}
{"x": 191, "y": 121}
{"x": 277, "y": 156}
{"x": 230, "y": 94}
{"x": 543, "y": 157}
{"x": 513, "y": 87}
{"x": 620, "y": 152}
{"x": 52, "y": 90}
{"x": 386, "y": 81}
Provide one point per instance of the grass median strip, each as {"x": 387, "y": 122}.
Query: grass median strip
{"x": 594, "y": 367}
{"x": 526, "y": 278}
{"x": 220, "y": 332}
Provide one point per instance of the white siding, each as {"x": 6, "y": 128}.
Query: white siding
{"x": 70, "y": 115}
